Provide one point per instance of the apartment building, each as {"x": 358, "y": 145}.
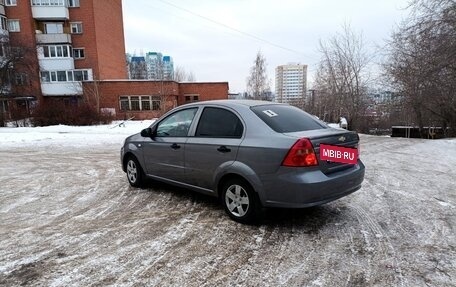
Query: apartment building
{"x": 152, "y": 66}
{"x": 70, "y": 41}
{"x": 291, "y": 83}
{"x": 66, "y": 49}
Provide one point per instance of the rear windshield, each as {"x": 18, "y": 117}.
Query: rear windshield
{"x": 286, "y": 119}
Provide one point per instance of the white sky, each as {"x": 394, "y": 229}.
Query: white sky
{"x": 216, "y": 53}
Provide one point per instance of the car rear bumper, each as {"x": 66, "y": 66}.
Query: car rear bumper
{"x": 291, "y": 188}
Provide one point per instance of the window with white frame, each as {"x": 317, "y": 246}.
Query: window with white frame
{"x": 140, "y": 103}
{"x": 78, "y": 53}
{"x": 14, "y": 25}
{"x": 53, "y": 28}
{"x": 64, "y": 76}
{"x": 73, "y": 3}
{"x": 76, "y": 28}
{"x": 57, "y": 51}
{"x": 3, "y": 23}
{"x": 10, "y": 2}
{"x": 48, "y": 3}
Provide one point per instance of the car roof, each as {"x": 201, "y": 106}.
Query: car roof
{"x": 232, "y": 103}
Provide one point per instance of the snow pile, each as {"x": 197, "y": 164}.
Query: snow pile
{"x": 76, "y": 136}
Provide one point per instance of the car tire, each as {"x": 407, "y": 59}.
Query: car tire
{"x": 134, "y": 171}
{"x": 240, "y": 201}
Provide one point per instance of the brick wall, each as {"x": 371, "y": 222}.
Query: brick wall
{"x": 87, "y": 39}
{"x": 102, "y": 38}
{"x": 172, "y": 94}
{"x": 206, "y": 91}
{"x": 25, "y": 39}
{"x": 110, "y": 39}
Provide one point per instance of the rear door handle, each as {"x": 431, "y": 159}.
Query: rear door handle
{"x": 223, "y": 149}
{"x": 175, "y": 146}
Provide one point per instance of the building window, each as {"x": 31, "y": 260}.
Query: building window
{"x": 73, "y": 3}
{"x": 191, "y": 98}
{"x": 57, "y": 51}
{"x": 65, "y": 76}
{"x": 76, "y": 28}
{"x": 140, "y": 103}
{"x": 53, "y": 28}
{"x": 124, "y": 103}
{"x": 14, "y": 26}
{"x": 21, "y": 79}
{"x": 78, "y": 53}
{"x": 48, "y": 3}
{"x": 81, "y": 75}
{"x": 10, "y": 2}
{"x": 61, "y": 76}
{"x": 3, "y": 23}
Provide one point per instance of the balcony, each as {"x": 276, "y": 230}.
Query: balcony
{"x": 52, "y": 64}
{"x": 2, "y": 10}
{"x": 61, "y": 89}
{"x": 52, "y": 38}
{"x": 50, "y": 12}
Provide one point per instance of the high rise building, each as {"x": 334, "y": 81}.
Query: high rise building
{"x": 152, "y": 66}
{"x": 69, "y": 41}
{"x": 291, "y": 84}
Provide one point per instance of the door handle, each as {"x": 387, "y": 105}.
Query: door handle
{"x": 223, "y": 149}
{"x": 175, "y": 146}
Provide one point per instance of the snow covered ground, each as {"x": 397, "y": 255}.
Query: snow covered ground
{"x": 71, "y": 136}
{"x": 69, "y": 218}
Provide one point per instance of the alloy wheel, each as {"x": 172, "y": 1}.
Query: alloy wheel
{"x": 237, "y": 200}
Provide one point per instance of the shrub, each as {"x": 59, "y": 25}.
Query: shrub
{"x": 59, "y": 113}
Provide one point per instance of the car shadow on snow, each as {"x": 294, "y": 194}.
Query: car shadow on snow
{"x": 311, "y": 218}
{"x": 181, "y": 194}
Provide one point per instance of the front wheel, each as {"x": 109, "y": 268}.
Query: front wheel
{"x": 240, "y": 201}
{"x": 134, "y": 172}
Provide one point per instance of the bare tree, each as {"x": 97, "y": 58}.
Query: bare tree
{"x": 191, "y": 77}
{"x": 258, "y": 86}
{"x": 181, "y": 75}
{"x": 16, "y": 74}
{"x": 342, "y": 77}
{"x": 421, "y": 64}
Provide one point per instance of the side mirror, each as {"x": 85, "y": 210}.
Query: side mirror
{"x": 149, "y": 132}
{"x": 146, "y": 133}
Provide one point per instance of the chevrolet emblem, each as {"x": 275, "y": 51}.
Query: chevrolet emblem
{"x": 342, "y": 139}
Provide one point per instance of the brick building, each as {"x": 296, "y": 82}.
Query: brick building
{"x": 74, "y": 51}
{"x": 145, "y": 99}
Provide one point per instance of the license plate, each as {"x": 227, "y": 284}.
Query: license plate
{"x": 338, "y": 153}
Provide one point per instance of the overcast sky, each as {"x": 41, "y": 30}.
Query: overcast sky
{"x": 218, "y": 40}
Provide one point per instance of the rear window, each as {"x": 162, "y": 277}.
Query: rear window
{"x": 286, "y": 119}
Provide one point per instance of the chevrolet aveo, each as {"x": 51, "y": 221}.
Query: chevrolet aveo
{"x": 250, "y": 154}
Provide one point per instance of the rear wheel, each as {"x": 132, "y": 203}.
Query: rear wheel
{"x": 240, "y": 201}
{"x": 134, "y": 172}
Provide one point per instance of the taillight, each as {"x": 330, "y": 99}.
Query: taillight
{"x": 301, "y": 154}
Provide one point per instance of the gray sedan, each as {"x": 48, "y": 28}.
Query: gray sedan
{"x": 250, "y": 154}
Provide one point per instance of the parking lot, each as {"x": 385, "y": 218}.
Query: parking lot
{"x": 68, "y": 217}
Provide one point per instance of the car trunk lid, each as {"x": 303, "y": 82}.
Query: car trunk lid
{"x": 337, "y": 137}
